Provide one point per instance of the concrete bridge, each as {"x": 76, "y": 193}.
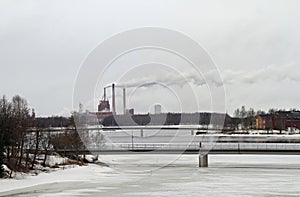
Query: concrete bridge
{"x": 142, "y": 140}
{"x": 202, "y": 149}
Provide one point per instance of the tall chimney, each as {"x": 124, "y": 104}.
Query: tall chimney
{"x": 124, "y": 101}
{"x": 113, "y": 99}
{"x": 104, "y": 95}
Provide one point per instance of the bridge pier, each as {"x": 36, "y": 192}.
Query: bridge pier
{"x": 203, "y": 161}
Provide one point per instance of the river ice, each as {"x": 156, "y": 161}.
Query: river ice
{"x": 148, "y": 175}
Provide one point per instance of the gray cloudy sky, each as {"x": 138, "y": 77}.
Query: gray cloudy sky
{"x": 255, "y": 45}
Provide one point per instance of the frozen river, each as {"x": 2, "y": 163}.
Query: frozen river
{"x": 148, "y": 175}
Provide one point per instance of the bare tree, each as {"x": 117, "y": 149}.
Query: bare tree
{"x": 237, "y": 113}
{"x": 21, "y": 117}
{"x": 29, "y": 144}
{"x": 36, "y": 148}
{"x": 46, "y": 145}
{"x": 243, "y": 112}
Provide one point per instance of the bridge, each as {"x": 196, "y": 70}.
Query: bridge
{"x": 114, "y": 128}
{"x": 217, "y": 148}
{"x": 202, "y": 149}
{"x": 182, "y": 139}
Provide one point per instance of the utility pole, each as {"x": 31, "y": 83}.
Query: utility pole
{"x": 132, "y": 139}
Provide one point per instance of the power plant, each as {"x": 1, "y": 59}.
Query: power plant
{"x": 104, "y": 105}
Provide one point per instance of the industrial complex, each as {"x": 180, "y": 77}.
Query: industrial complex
{"x": 107, "y": 116}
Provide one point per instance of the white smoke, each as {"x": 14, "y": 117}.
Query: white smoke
{"x": 276, "y": 73}
{"x": 174, "y": 80}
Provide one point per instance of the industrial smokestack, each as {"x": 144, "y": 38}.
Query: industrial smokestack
{"x": 124, "y": 101}
{"x": 113, "y": 99}
{"x": 104, "y": 95}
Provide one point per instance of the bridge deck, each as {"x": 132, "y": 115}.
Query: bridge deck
{"x": 217, "y": 148}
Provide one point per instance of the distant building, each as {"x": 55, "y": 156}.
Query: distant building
{"x": 157, "y": 109}
{"x": 280, "y": 120}
{"x": 293, "y": 119}
{"x": 130, "y": 111}
{"x": 103, "y": 106}
{"x": 264, "y": 121}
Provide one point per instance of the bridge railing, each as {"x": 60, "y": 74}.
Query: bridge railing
{"x": 150, "y": 146}
{"x": 196, "y": 146}
{"x": 254, "y": 146}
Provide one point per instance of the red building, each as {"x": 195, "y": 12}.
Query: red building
{"x": 103, "y": 106}
{"x": 293, "y": 119}
{"x": 280, "y": 120}
{"x": 264, "y": 121}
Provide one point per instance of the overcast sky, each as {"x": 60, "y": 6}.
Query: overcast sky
{"x": 255, "y": 45}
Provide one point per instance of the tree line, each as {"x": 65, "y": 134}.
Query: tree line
{"x": 14, "y": 121}
{"x": 19, "y": 145}
{"x": 243, "y": 112}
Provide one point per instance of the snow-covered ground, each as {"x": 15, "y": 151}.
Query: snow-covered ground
{"x": 227, "y": 175}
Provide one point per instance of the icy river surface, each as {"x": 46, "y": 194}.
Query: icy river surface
{"x": 164, "y": 175}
